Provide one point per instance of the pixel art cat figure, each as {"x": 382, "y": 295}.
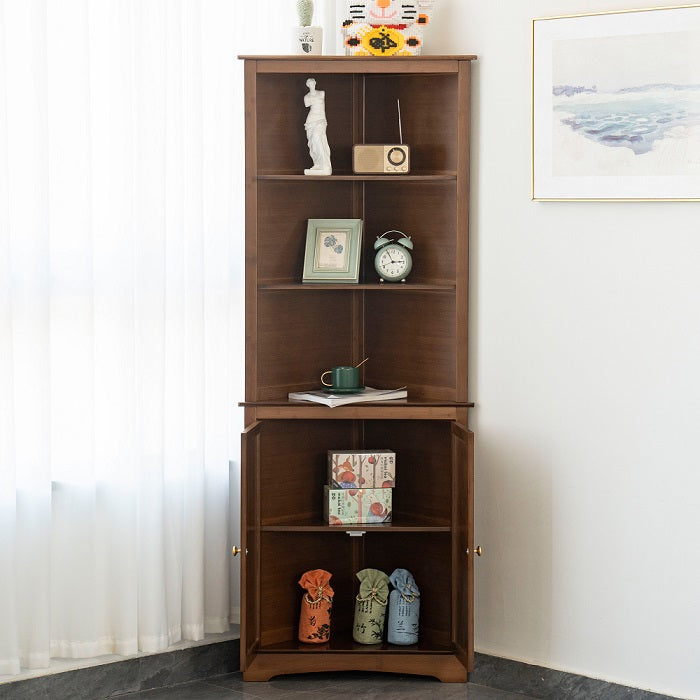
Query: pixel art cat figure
{"x": 385, "y": 27}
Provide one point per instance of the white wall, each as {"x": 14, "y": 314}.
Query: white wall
{"x": 585, "y": 369}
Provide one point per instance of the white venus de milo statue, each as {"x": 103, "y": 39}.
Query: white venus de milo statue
{"x": 315, "y": 126}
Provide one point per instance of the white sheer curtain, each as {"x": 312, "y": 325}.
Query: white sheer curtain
{"x": 120, "y": 342}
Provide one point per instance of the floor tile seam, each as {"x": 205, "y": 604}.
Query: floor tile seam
{"x": 326, "y": 692}
{"x": 323, "y": 692}
{"x": 248, "y": 693}
{"x": 143, "y": 692}
{"x": 265, "y": 696}
{"x": 509, "y": 693}
{"x": 259, "y": 690}
{"x": 233, "y": 693}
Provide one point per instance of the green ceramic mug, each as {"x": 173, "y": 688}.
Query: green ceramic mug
{"x": 342, "y": 378}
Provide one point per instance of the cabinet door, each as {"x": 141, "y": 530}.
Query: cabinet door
{"x": 463, "y": 544}
{"x": 250, "y": 544}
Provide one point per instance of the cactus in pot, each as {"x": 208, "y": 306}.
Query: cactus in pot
{"x": 308, "y": 39}
{"x": 305, "y": 11}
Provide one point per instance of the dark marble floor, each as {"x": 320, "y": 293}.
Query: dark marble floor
{"x": 320, "y": 686}
{"x": 210, "y": 672}
{"x": 384, "y": 686}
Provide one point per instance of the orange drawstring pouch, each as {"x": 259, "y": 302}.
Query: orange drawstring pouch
{"x": 316, "y": 604}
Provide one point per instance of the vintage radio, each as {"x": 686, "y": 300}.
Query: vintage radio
{"x": 381, "y": 159}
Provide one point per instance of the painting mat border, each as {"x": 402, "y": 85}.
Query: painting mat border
{"x": 533, "y": 125}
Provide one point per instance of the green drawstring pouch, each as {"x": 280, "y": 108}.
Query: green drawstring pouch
{"x": 370, "y": 606}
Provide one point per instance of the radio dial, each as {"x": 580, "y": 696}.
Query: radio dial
{"x": 396, "y": 156}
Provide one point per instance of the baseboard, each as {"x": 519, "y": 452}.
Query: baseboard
{"x": 110, "y": 680}
{"x": 541, "y": 682}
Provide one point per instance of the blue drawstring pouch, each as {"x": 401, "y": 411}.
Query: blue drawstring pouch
{"x": 403, "y": 609}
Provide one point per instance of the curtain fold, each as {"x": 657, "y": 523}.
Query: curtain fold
{"x": 120, "y": 326}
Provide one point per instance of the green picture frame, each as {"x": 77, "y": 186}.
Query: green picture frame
{"x": 332, "y": 251}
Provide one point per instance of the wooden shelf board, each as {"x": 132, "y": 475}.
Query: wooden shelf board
{"x": 400, "y": 409}
{"x": 416, "y": 177}
{"x": 405, "y": 288}
{"x": 314, "y": 525}
{"x": 345, "y": 645}
{"x": 395, "y": 403}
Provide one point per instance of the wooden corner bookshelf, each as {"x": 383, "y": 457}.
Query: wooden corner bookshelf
{"x": 415, "y": 335}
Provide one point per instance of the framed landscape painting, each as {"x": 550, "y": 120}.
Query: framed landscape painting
{"x": 616, "y": 105}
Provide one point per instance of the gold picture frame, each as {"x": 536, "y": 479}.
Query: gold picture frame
{"x": 616, "y": 106}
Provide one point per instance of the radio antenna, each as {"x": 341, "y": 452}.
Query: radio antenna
{"x": 398, "y": 107}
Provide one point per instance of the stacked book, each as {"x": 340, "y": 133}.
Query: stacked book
{"x": 359, "y": 488}
{"x": 366, "y": 394}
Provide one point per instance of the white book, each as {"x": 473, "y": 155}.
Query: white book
{"x": 366, "y": 394}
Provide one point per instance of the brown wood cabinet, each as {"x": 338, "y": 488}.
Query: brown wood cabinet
{"x": 415, "y": 335}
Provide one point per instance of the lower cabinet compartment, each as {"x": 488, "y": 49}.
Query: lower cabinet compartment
{"x": 292, "y": 467}
{"x": 286, "y": 556}
{"x": 286, "y": 534}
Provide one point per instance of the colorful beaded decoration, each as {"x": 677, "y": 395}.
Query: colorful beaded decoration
{"x": 385, "y": 27}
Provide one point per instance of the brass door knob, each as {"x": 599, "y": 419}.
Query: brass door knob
{"x": 477, "y": 551}
{"x": 235, "y": 550}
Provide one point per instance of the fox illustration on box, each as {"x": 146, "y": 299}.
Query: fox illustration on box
{"x": 385, "y": 27}
{"x": 361, "y": 469}
{"x": 354, "y": 506}
{"x": 345, "y": 477}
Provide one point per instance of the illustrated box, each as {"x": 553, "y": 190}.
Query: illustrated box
{"x": 361, "y": 469}
{"x": 353, "y": 506}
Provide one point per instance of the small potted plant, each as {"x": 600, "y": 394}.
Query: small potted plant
{"x": 307, "y": 38}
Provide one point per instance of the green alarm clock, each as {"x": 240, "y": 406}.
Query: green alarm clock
{"x": 393, "y": 260}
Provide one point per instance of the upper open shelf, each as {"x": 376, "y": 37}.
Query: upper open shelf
{"x": 360, "y": 109}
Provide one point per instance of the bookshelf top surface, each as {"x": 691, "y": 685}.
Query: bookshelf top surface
{"x": 358, "y": 59}
{"x": 378, "y": 65}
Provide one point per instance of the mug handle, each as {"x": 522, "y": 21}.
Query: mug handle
{"x": 323, "y": 375}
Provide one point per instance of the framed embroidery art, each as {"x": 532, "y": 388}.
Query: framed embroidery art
{"x": 332, "y": 250}
{"x": 616, "y": 105}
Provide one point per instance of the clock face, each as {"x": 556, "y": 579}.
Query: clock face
{"x": 393, "y": 262}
